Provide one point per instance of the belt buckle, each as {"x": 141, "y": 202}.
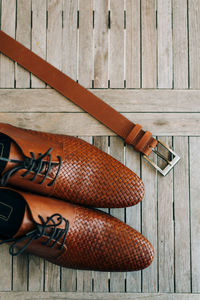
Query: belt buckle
{"x": 170, "y": 162}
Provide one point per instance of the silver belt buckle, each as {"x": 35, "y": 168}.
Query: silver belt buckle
{"x": 170, "y": 162}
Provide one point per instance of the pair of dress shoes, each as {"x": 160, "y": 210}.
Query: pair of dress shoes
{"x": 57, "y": 176}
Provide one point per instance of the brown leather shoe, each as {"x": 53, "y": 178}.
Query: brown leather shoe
{"x": 68, "y": 168}
{"x": 70, "y": 235}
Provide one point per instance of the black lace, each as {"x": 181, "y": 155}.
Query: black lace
{"x": 32, "y": 165}
{"x": 48, "y": 228}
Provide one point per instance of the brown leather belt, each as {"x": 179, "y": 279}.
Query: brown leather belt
{"x": 132, "y": 133}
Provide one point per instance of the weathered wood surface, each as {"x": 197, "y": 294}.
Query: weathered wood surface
{"x": 143, "y": 58}
{"x": 96, "y": 296}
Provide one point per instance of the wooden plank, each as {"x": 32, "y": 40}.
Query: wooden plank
{"x": 80, "y": 123}
{"x": 116, "y": 63}
{"x": 164, "y": 44}
{"x": 149, "y": 44}
{"x": 85, "y": 59}
{"x": 123, "y": 100}
{"x": 100, "y": 44}
{"x": 133, "y": 218}
{"x": 8, "y": 26}
{"x": 85, "y": 77}
{"x": 54, "y": 33}
{"x": 20, "y": 273}
{"x": 38, "y": 43}
{"x": 84, "y": 278}
{"x": 69, "y": 66}
{"x": 100, "y": 283}
{"x": 149, "y": 224}
{"x": 6, "y": 80}
{"x": 180, "y": 44}
{"x": 101, "y": 278}
{"x": 70, "y": 36}
{"x": 38, "y": 37}
{"x": 194, "y": 43}
{"x": 52, "y": 277}
{"x": 195, "y": 212}
{"x": 132, "y": 44}
{"x": 117, "y": 279}
{"x": 36, "y": 274}
{"x": 97, "y": 296}
{"x": 54, "y": 56}
{"x": 23, "y": 34}
{"x": 181, "y": 216}
{"x": 165, "y": 230}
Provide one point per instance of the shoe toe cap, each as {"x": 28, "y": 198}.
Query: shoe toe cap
{"x": 100, "y": 242}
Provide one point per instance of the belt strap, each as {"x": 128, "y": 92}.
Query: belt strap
{"x": 132, "y": 133}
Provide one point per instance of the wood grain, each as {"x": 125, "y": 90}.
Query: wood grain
{"x": 180, "y": 44}
{"x": 194, "y": 43}
{"x": 38, "y": 41}
{"x": 116, "y": 63}
{"x": 149, "y": 44}
{"x": 165, "y": 230}
{"x": 165, "y": 77}
{"x": 6, "y": 80}
{"x": 101, "y": 44}
{"x": 195, "y": 212}
{"x": 123, "y": 100}
{"x": 97, "y": 296}
{"x": 70, "y": 38}
{"x": 85, "y": 58}
{"x": 181, "y": 218}
{"x": 151, "y": 48}
{"x": 132, "y": 75}
{"x": 23, "y": 34}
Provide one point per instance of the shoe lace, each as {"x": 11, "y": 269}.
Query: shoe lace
{"x": 54, "y": 234}
{"x": 34, "y": 165}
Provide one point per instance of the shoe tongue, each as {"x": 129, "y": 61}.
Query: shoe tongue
{"x": 33, "y": 141}
{"x": 15, "y": 153}
{"x": 27, "y": 224}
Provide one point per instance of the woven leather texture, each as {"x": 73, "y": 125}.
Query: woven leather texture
{"x": 99, "y": 241}
{"x": 91, "y": 177}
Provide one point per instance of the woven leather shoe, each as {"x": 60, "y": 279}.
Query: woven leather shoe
{"x": 67, "y": 168}
{"x": 70, "y": 235}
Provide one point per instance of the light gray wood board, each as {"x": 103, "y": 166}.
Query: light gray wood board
{"x": 38, "y": 45}
{"x": 81, "y": 123}
{"x": 148, "y": 44}
{"x": 96, "y": 296}
{"x": 6, "y": 79}
{"x": 195, "y": 212}
{"x": 133, "y": 44}
{"x": 165, "y": 230}
{"x": 182, "y": 217}
{"x": 100, "y": 44}
{"x": 180, "y": 43}
{"x": 123, "y": 100}
{"x": 85, "y": 52}
{"x": 116, "y": 70}
{"x": 23, "y": 35}
{"x": 164, "y": 13}
{"x": 194, "y": 43}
